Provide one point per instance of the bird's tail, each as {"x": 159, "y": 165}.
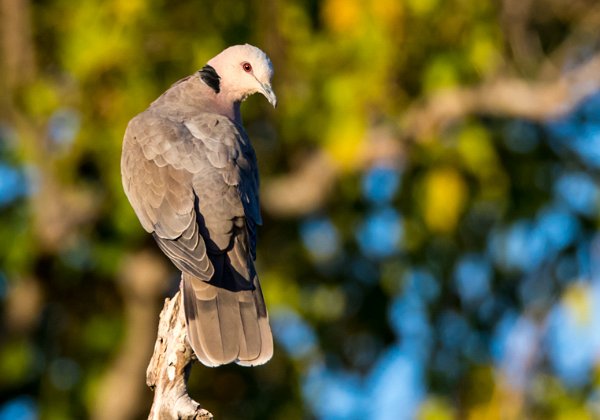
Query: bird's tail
{"x": 226, "y": 326}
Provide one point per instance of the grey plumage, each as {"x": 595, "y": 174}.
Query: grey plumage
{"x": 191, "y": 176}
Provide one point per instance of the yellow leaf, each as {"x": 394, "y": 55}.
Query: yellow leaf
{"x": 344, "y": 142}
{"x": 574, "y": 413}
{"x": 126, "y": 11}
{"x": 41, "y": 98}
{"x": 503, "y": 404}
{"x": 326, "y": 302}
{"x": 577, "y": 300}
{"x": 436, "y": 409}
{"x": 440, "y": 73}
{"x": 387, "y": 11}
{"x": 281, "y": 290}
{"x": 483, "y": 51}
{"x": 476, "y": 150}
{"x": 422, "y": 7}
{"x": 342, "y": 15}
{"x": 444, "y": 200}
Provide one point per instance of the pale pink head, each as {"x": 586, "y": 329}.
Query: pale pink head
{"x": 242, "y": 71}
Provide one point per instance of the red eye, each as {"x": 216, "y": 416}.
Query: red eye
{"x": 247, "y": 67}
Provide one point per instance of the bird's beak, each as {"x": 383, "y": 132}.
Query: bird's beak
{"x": 267, "y": 90}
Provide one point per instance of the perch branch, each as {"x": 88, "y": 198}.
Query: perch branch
{"x": 537, "y": 101}
{"x": 169, "y": 367}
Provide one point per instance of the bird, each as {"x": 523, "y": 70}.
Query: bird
{"x": 191, "y": 175}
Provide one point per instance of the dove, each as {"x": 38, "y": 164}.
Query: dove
{"x": 190, "y": 173}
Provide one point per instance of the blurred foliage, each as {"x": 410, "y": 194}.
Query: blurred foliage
{"x": 455, "y": 277}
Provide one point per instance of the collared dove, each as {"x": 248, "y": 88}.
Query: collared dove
{"x": 190, "y": 174}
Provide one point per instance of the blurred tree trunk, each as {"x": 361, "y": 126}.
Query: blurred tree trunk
{"x": 121, "y": 395}
{"x": 18, "y": 61}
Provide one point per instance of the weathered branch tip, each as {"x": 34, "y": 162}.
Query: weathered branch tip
{"x": 169, "y": 368}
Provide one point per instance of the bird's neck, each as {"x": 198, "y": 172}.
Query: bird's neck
{"x": 228, "y": 106}
{"x": 193, "y": 96}
{"x": 224, "y": 98}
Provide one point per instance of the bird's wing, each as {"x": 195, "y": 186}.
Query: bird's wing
{"x": 230, "y": 152}
{"x": 249, "y": 189}
{"x": 159, "y": 161}
{"x": 194, "y": 185}
{"x": 228, "y": 192}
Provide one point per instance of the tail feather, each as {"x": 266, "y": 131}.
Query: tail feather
{"x": 226, "y": 326}
{"x": 191, "y": 316}
{"x": 264, "y": 329}
{"x": 249, "y": 335}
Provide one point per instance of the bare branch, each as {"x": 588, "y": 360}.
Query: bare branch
{"x": 301, "y": 192}
{"x": 169, "y": 367}
{"x": 305, "y": 190}
{"x": 506, "y": 97}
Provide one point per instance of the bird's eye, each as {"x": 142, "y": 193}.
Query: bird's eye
{"x": 247, "y": 67}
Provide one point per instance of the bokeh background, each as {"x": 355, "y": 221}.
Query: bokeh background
{"x": 430, "y": 191}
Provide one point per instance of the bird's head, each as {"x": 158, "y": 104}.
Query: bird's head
{"x": 241, "y": 71}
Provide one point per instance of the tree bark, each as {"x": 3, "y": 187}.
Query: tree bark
{"x": 170, "y": 365}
